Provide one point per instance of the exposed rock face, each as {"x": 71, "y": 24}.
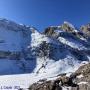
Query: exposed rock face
{"x": 85, "y": 70}
{"x": 48, "y": 85}
{"x": 10, "y": 55}
{"x": 86, "y": 29}
{"x": 80, "y": 80}
{"x": 55, "y": 84}
{"x": 67, "y": 27}
{"x": 50, "y": 31}
{"x": 84, "y": 77}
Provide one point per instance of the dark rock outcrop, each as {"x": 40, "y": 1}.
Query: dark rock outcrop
{"x": 58, "y": 84}
{"x": 74, "y": 82}
{"x": 86, "y": 29}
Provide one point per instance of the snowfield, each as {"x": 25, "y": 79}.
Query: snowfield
{"x": 19, "y": 81}
{"x": 14, "y": 82}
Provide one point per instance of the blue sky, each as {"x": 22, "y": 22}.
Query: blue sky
{"x": 42, "y": 13}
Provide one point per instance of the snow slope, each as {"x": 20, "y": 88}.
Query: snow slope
{"x": 13, "y": 37}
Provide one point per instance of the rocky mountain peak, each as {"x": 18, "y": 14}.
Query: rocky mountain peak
{"x": 86, "y": 29}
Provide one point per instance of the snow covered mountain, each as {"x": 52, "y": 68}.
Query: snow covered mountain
{"x": 14, "y": 39}
{"x": 57, "y": 50}
{"x": 60, "y": 49}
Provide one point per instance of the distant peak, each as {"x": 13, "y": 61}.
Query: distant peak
{"x": 69, "y": 24}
